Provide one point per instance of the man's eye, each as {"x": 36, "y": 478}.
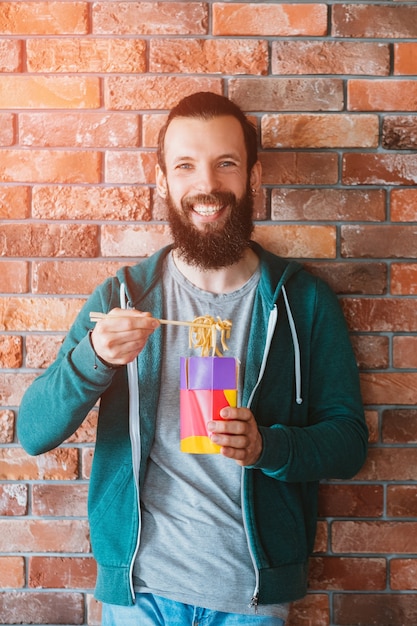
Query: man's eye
{"x": 227, "y": 164}
{"x": 183, "y": 166}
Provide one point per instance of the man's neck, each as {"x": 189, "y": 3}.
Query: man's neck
{"x": 223, "y": 280}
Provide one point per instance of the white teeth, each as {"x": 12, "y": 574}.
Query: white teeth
{"x": 203, "y": 209}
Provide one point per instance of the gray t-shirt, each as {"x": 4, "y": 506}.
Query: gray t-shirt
{"x": 193, "y": 547}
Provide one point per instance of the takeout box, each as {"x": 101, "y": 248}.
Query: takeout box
{"x": 207, "y": 384}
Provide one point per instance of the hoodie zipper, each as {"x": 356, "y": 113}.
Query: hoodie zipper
{"x": 272, "y": 321}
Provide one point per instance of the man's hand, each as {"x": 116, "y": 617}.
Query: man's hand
{"x": 237, "y": 434}
{"x": 122, "y": 334}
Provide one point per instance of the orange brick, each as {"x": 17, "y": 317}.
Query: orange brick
{"x": 330, "y": 57}
{"x": 51, "y": 314}
{"x": 62, "y": 572}
{"x": 13, "y": 386}
{"x": 382, "y": 95}
{"x": 86, "y": 55}
{"x": 151, "y": 125}
{"x": 121, "y": 203}
{"x": 350, "y": 573}
{"x": 399, "y": 132}
{"x": 59, "y": 464}
{"x": 13, "y": 500}
{"x": 404, "y": 279}
{"x": 298, "y": 241}
{"x": 209, "y": 56}
{"x": 14, "y": 203}
{"x": 153, "y": 92}
{"x": 393, "y": 388}
{"x": 49, "y": 166}
{"x": 350, "y": 500}
{"x": 312, "y": 609}
{"x": 49, "y": 92}
{"x": 405, "y": 352}
{"x": 14, "y": 276}
{"x": 6, "y": 129}
{"x": 87, "y": 456}
{"x": 403, "y": 574}
{"x": 42, "y": 607}
{"x": 149, "y": 18}
{"x": 44, "y": 535}
{"x": 389, "y": 464}
{"x": 319, "y": 131}
{"x": 405, "y": 58}
{"x": 42, "y": 18}
{"x": 379, "y": 169}
{"x": 371, "y": 537}
{"x": 380, "y": 315}
{"x": 41, "y": 350}
{"x": 133, "y": 241}
{"x": 7, "y": 422}
{"x": 10, "y": 54}
{"x": 355, "y": 608}
{"x": 399, "y": 425}
{"x": 50, "y": 240}
{"x": 12, "y": 572}
{"x": 281, "y": 20}
{"x": 70, "y": 277}
{"x": 381, "y": 241}
{"x": 404, "y": 205}
{"x": 51, "y": 500}
{"x": 402, "y": 500}
{"x": 11, "y": 351}
{"x": 287, "y": 94}
{"x": 366, "y": 20}
{"x": 84, "y": 130}
{"x": 301, "y": 168}
{"x": 371, "y": 351}
{"x": 349, "y": 278}
{"x": 130, "y": 167}
{"x": 94, "y": 611}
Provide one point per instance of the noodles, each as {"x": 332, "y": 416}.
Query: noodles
{"x": 203, "y": 334}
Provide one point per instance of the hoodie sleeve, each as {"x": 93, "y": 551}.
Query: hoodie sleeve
{"x": 330, "y": 439}
{"x": 58, "y": 401}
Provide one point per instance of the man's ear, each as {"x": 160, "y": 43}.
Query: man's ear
{"x": 255, "y": 178}
{"x": 161, "y": 182}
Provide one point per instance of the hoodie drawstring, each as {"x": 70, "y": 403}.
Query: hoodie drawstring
{"x": 297, "y": 359}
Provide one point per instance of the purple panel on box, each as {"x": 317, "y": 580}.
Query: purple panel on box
{"x": 208, "y": 372}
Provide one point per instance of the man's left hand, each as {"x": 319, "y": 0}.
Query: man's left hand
{"x": 238, "y": 435}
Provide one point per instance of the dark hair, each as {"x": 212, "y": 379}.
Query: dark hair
{"x": 207, "y": 105}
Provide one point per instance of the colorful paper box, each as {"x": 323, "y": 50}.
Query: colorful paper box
{"x": 207, "y": 384}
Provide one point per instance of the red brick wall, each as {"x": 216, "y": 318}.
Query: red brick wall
{"x": 84, "y": 87}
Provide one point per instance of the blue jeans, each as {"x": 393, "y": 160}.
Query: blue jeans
{"x": 151, "y": 610}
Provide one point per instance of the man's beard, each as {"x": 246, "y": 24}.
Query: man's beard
{"x": 213, "y": 246}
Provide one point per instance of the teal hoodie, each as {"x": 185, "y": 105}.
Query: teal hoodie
{"x": 301, "y": 383}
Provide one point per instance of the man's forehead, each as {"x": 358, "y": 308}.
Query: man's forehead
{"x": 225, "y": 130}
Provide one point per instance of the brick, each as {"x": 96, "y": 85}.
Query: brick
{"x": 125, "y": 203}
{"x": 401, "y": 500}
{"x": 129, "y": 93}
{"x": 350, "y": 500}
{"x": 399, "y": 426}
{"x": 12, "y": 572}
{"x": 11, "y": 351}
{"x": 405, "y": 58}
{"x": 374, "y": 537}
{"x": 150, "y": 18}
{"x": 366, "y": 20}
{"x": 38, "y": 314}
{"x": 59, "y": 500}
{"x": 43, "y": 18}
{"x": 322, "y": 537}
{"x": 312, "y": 609}
{"x": 377, "y": 314}
{"x": 136, "y": 167}
{"x": 328, "y": 204}
{"x": 41, "y": 350}
{"x": 380, "y": 608}
{"x": 49, "y": 166}
{"x": 208, "y": 56}
{"x": 86, "y": 55}
{"x": 389, "y": 463}
{"x": 13, "y": 499}
{"x": 301, "y": 168}
{"x": 62, "y": 572}
{"x": 7, "y": 421}
{"x": 87, "y": 456}
{"x": 86, "y": 433}
{"x": 47, "y": 92}
{"x": 351, "y": 278}
{"x": 404, "y": 279}
{"x": 371, "y": 351}
{"x": 348, "y": 574}
{"x": 50, "y": 240}
{"x": 32, "y": 535}
{"x": 319, "y": 131}
{"x": 12, "y": 387}
{"x": 403, "y": 574}
{"x": 58, "y": 464}
{"x": 404, "y": 205}
{"x": 41, "y": 608}
{"x": 269, "y": 20}
{"x": 399, "y": 132}
{"x": 74, "y": 277}
{"x": 151, "y": 125}
{"x": 382, "y": 241}
{"x": 94, "y": 611}
{"x": 379, "y": 169}
{"x": 14, "y": 203}
{"x": 6, "y": 129}
{"x": 298, "y": 241}
{"x": 133, "y": 241}
{"x": 287, "y": 94}
{"x": 330, "y": 57}
{"x": 381, "y": 95}
{"x": 11, "y": 53}
{"x": 372, "y": 421}
{"x": 395, "y": 388}
{"x": 84, "y": 130}
{"x": 405, "y": 352}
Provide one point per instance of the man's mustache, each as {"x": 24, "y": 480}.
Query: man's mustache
{"x": 219, "y": 198}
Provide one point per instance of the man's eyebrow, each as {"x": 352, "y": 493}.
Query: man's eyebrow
{"x": 227, "y": 155}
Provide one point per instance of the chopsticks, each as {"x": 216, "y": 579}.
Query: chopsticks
{"x": 95, "y": 316}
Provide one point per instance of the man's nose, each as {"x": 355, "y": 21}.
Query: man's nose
{"x": 208, "y": 180}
